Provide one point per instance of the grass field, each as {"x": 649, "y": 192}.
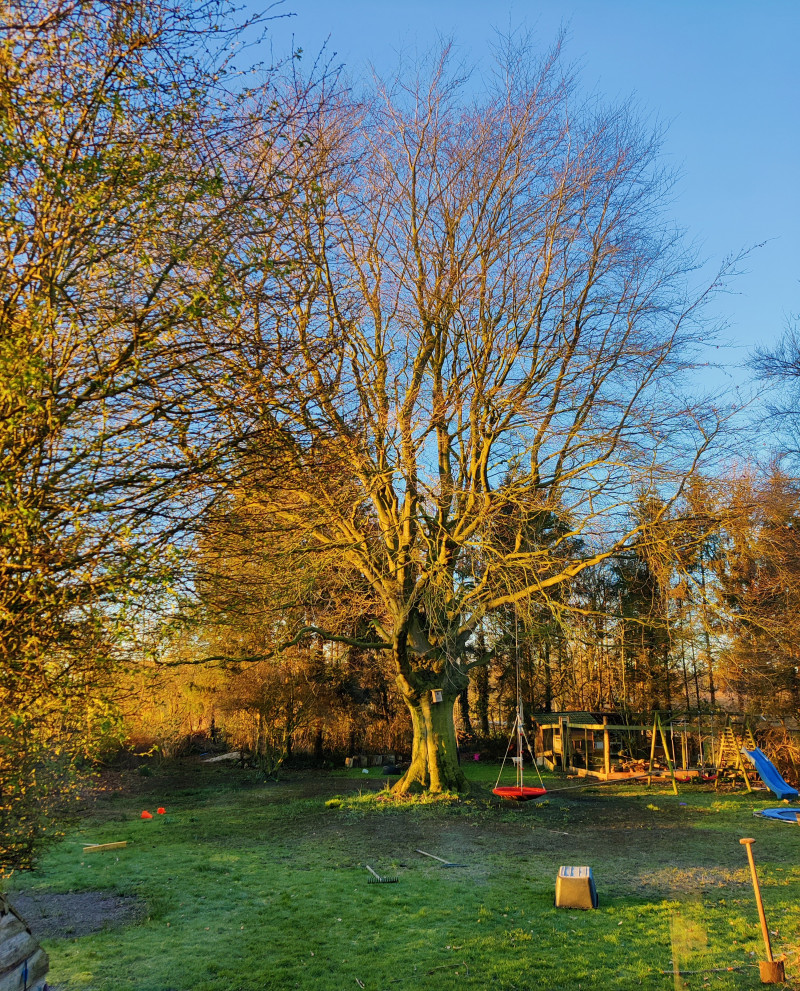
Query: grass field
{"x": 244, "y": 886}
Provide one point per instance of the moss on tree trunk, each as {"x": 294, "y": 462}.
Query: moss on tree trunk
{"x": 434, "y": 757}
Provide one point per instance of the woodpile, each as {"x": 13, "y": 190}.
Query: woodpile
{"x": 23, "y": 963}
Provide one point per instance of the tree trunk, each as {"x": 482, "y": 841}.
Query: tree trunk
{"x": 434, "y": 760}
{"x": 482, "y": 702}
{"x": 463, "y": 707}
{"x": 548, "y": 678}
{"x": 319, "y": 739}
{"x": 709, "y": 655}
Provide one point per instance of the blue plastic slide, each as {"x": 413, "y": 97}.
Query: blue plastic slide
{"x": 769, "y": 774}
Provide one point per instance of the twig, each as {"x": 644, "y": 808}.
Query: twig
{"x": 709, "y": 970}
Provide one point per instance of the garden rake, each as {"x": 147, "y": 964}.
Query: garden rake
{"x": 377, "y": 879}
{"x": 447, "y": 863}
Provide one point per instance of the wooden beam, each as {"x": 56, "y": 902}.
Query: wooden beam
{"x": 626, "y": 727}
{"x": 666, "y": 752}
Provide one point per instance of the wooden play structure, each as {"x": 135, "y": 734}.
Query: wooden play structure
{"x": 592, "y": 745}
{"x": 729, "y": 759}
{"x": 687, "y": 749}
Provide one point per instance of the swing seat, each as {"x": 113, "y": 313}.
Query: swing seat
{"x": 517, "y": 793}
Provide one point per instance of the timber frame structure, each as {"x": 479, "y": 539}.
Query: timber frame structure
{"x": 684, "y": 748}
{"x": 570, "y": 741}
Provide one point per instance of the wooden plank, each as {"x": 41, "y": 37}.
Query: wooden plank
{"x": 10, "y": 925}
{"x": 10, "y": 913}
{"x": 38, "y": 965}
{"x": 666, "y": 753}
{"x": 622, "y": 727}
{"x": 620, "y": 776}
{"x": 652, "y": 752}
{"x": 99, "y": 847}
{"x": 16, "y": 949}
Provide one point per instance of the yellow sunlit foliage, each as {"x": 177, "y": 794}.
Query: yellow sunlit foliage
{"x": 126, "y": 217}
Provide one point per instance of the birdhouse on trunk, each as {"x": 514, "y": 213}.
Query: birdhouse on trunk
{"x": 436, "y": 695}
{"x": 23, "y": 963}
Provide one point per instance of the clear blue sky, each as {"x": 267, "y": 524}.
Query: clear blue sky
{"x": 723, "y": 75}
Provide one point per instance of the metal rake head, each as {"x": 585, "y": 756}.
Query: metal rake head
{"x": 377, "y": 879}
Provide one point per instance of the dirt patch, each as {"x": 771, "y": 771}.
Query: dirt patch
{"x": 672, "y": 881}
{"x": 52, "y": 915}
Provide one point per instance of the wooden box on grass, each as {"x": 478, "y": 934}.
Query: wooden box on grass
{"x": 575, "y": 888}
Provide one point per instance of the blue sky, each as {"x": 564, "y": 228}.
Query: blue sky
{"x": 723, "y": 76}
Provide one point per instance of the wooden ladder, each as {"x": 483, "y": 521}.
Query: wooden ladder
{"x": 730, "y": 751}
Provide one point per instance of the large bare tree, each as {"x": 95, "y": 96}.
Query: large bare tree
{"x": 484, "y": 363}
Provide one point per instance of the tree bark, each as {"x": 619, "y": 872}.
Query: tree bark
{"x": 430, "y": 680}
{"x": 434, "y": 760}
{"x": 709, "y": 656}
{"x": 319, "y": 740}
{"x": 463, "y": 706}
{"x": 482, "y": 701}
{"x": 548, "y": 678}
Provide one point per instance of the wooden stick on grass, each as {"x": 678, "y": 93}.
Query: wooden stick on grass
{"x": 772, "y": 971}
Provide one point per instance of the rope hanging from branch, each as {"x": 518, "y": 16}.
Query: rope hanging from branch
{"x": 518, "y": 792}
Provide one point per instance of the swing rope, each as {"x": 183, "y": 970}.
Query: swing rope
{"x": 597, "y": 782}
{"x": 518, "y": 729}
{"x": 505, "y": 756}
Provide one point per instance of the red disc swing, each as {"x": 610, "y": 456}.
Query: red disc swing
{"x": 519, "y": 792}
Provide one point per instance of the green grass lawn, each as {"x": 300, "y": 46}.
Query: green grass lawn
{"x": 246, "y": 886}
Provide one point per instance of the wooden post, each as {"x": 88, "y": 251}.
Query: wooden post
{"x": 713, "y": 755}
{"x": 772, "y": 971}
{"x": 606, "y": 748}
{"x": 669, "y": 759}
{"x": 700, "y": 743}
{"x": 652, "y": 752}
{"x": 743, "y": 769}
{"x": 738, "y": 744}
{"x": 717, "y": 760}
